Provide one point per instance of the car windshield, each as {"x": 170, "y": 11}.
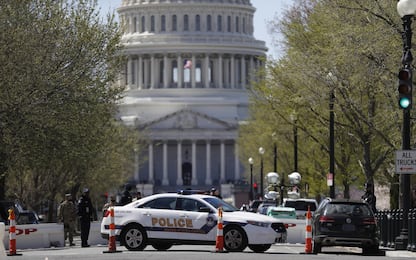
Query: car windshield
{"x": 216, "y": 203}
{"x": 349, "y": 209}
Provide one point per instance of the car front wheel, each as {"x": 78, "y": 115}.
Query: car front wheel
{"x": 134, "y": 237}
{"x": 235, "y": 239}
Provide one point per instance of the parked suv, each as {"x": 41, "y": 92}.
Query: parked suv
{"x": 345, "y": 223}
{"x": 301, "y": 206}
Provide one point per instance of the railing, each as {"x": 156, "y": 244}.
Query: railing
{"x": 390, "y": 225}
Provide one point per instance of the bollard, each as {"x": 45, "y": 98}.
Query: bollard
{"x": 389, "y": 228}
{"x": 410, "y": 230}
{"x": 112, "y": 234}
{"x": 308, "y": 232}
{"x": 413, "y": 231}
{"x": 219, "y": 243}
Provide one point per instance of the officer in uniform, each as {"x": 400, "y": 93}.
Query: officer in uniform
{"x": 67, "y": 213}
{"x": 85, "y": 213}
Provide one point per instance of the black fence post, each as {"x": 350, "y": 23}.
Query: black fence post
{"x": 413, "y": 231}
{"x": 389, "y": 228}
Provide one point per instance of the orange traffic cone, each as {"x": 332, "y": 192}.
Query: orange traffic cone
{"x": 219, "y": 243}
{"x": 112, "y": 234}
{"x": 12, "y": 233}
{"x": 308, "y": 232}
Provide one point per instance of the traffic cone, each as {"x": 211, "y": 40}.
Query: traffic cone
{"x": 219, "y": 243}
{"x": 112, "y": 235}
{"x": 12, "y": 233}
{"x": 308, "y": 232}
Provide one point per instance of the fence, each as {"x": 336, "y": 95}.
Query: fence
{"x": 391, "y": 223}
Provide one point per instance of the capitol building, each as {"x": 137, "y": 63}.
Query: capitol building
{"x": 190, "y": 63}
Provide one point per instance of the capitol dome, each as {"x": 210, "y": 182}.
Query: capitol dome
{"x": 190, "y": 63}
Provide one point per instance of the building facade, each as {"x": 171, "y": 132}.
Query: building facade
{"x": 190, "y": 63}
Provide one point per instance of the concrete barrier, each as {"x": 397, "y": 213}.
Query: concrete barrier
{"x": 95, "y": 235}
{"x": 295, "y": 230}
{"x": 36, "y": 236}
{"x": 2, "y": 231}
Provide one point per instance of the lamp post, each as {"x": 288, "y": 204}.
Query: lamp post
{"x": 406, "y": 10}
{"x": 274, "y": 136}
{"x": 261, "y": 152}
{"x": 331, "y": 78}
{"x": 251, "y": 161}
{"x": 294, "y": 120}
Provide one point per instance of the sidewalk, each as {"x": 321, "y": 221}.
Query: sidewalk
{"x": 398, "y": 253}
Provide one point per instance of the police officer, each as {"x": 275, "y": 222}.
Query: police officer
{"x": 126, "y": 198}
{"x": 67, "y": 213}
{"x": 85, "y": 213}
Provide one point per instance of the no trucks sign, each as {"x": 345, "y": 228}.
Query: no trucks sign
{"x": 406, "y": 161}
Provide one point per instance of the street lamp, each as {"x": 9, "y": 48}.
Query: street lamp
{"x": 261, "y": 152}
{"x": 331, "y": 174}
{"x": 274, "y": 137}
{"x": 294, "y": 120}
{"x": 251, "y": 161}
{"x": 406, "y": 10}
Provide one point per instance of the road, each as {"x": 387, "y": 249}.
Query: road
{"x": 186, "y": 252}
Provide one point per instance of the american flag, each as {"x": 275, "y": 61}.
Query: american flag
{"x": 187, "y": 64}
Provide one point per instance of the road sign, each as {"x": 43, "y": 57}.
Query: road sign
{"x": 406, "y": 161}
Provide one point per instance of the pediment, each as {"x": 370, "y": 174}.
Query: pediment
{"x": 188, "y": 119}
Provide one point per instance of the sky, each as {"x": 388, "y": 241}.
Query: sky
{"x": 266, "y": 11}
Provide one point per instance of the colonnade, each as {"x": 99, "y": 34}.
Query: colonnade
{"x": 180, "y": 160}
{"x": 152, "y": 71}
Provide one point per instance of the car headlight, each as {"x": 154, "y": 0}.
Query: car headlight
{"x": 259, "y": 224}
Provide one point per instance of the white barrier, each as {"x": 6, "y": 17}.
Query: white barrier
{"x": 36, "y": 236}
{"x": 95, "y": 235}
{"x": 295, "y": 230}
{"x": 2, "y": 231}
{"x": 44, "y": 236}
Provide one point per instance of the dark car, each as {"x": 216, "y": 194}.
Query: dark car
{"x": 345, "y": 223}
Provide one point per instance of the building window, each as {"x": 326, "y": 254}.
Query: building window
{"x": 197, "y": 23}
{"x": 174, "y": 23}
{"x": 237, "y": 24}
{"x": 152, "y": 23}
{"x": 219, "y": 23}
{"x": 135, "y": 24}
{"x": 209, "y": 25}
{"x": 186, "y": 23}
{"x": 143, "y": 29}
{"x": 244, "y": 25}
{"x": 163, "y": 23}
{"x": 228, "y": 23}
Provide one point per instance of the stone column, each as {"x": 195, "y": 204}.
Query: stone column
{"x": 179, "y": 181}
{"x": 243, "y": 72}
{"x": 151, "y": 169}
{"x": 194, "y": 174}
{"x": 237, "y": 162}
{"x": 220, "y": 70}
{"x": 152, "y": 72}
{"x": 205, "y": 71}
{"x": 165, "y": 71}
{"x": 180, "y": 71}
{"x": 232, "y": 72}
{"x": 208, "y": 177}
{"x": 165, "y": 180}
{"x": 222, "y": 154}
{"x": 140, "y": 72}
{"x": 192, "y": 71}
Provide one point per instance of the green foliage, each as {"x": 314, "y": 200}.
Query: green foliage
{"x": 352, "y": 48}
{"x": 58, "y": 62}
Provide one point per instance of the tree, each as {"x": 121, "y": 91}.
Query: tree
{"x": 348, "y": 48}
{"x": 59, "y": 60}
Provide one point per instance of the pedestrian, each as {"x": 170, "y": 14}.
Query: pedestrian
{"x": 126, "y": 198}
{"x": 215, "y": 192}
{"x": 138, "y": 196}
{"x": 369, "y": 196}
{"x": 67, "y": 214}
{"x": 85, "y": 213}
{"x": 109, "y": 204}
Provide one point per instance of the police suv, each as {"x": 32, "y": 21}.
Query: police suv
{"x": 167, "y": 219}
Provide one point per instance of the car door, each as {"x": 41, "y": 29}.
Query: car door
{"x": 159, "y": 217}
{"x": 199, "y": 225}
